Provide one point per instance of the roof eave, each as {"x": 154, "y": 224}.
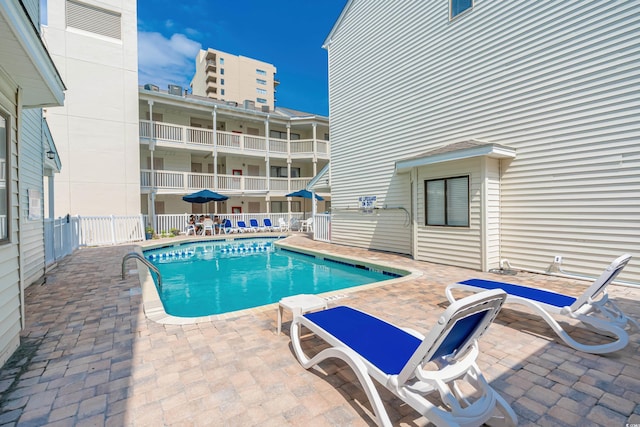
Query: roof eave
{"x": 334, "y": 29}
{"x": 490, "y": 150}
{"x": 43, "y": 86}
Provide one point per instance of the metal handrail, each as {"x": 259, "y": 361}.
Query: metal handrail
{"x": 145, "y": 262}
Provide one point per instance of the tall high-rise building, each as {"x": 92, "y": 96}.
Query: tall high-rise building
{"x": 245, "y": 81}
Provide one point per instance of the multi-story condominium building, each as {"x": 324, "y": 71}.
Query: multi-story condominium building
{"x": 256, "y": 158}
{"x": 94, "y": 44}
{"x": 495, "y": 131}
{"x": 226, "y": 77}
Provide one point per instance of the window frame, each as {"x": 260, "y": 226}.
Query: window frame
{"x": 7, "y": 178}
{"x": 447, "y": 218}
{"x": 461, "y": 12}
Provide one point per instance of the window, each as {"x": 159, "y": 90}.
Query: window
{"x": 261, "y": 72}
{"x": 447, "y": 201}
{"x": 44, "y": 17}
{"x": 221, "y": 70}
{"x": 261, "y": 100}
{"x": 459, "y": 6}
{"x": 261, "y": 81}
{"x": 222, "y": 82}
{"x": 261, "y": 91}
{"x": 221, "y": 92}
{"x": 283, "y": 135}
{"x": 281, "y": 172}
{"x": 281, "y": 207}
{"x": 5, "y": 139}
{"x": 221, "y": 61}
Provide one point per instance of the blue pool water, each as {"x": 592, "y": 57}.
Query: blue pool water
{"x": 214, "y": 277}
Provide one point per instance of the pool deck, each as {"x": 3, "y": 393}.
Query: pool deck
{"x": 90, "y": 357}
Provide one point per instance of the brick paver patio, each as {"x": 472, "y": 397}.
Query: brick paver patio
{"x": 89, "y": 357}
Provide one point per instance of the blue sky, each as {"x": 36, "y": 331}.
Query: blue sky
{"x": 286, "y": 33}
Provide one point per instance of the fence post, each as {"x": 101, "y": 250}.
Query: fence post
{"x": 143, "y": 226}
{"x": 113, "y": 229}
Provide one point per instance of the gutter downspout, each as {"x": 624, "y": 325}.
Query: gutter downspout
{"x": 21, "y": 254}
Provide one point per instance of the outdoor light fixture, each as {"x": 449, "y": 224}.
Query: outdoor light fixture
{"x": 51, "y": 155}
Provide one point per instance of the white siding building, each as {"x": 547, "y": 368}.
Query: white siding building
{"x": 523, "y": 116}
{"x": 28, "y": 81}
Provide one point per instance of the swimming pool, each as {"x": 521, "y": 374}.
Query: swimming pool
{"x": 215, "y": 277}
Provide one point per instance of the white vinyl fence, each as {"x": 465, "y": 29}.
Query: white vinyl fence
{"x": 111, "y": 230}
{"x": 65, "y": 235}
{"x": 165, "y": 223}
{"x": 61, "y": 237}
{"x": 322, "y": 227}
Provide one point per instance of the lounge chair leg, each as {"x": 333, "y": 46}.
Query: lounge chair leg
{"x": 508, "y": 417}
{"x": 351, "y": 358}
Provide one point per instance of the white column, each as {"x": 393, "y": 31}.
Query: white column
{"x": 152, "y": 179}
{"x": 289, "y": 157}
{"x": 215, "y": 148}
{"x": 267, "y": 158}
{"x": 315, "y": 151}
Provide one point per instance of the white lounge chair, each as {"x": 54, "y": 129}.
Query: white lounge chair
{"x": 411, "y": 365}
{"x": 268, "y": 225}
{"x": 600, "y": 315}
{"x": 254, "y": 225}
{"x": 227, "y": 227}
{"x": 242, "y": 227}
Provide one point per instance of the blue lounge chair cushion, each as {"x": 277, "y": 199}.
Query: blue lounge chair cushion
{"x": 384, "y": 345}
{"x": 545, "y": 297}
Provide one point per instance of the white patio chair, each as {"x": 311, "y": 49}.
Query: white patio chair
{"x": 207, "y": 225}
{"x": 284, "y": 225}
{"x": 306, "y": 225}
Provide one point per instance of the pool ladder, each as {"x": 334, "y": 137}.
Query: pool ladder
{"x": 145, "y": 262}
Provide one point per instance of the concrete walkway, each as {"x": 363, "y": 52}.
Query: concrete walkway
{"x": 89, "y": 357}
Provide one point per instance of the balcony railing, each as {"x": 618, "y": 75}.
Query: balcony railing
{"x": 231, "y": 142}
{"x": 181, "y": 182}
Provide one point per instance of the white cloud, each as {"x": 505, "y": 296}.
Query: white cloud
{"x": 163, "y": 61}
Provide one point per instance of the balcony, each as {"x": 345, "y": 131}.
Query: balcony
{"x": 176, "y": 182}
{"x": 211, "y": 65}
{"x": 170, "y": 135}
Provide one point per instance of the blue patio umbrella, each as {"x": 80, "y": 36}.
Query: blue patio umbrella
{"x": 305, "y": 194}
{"x": 204, "y": 196}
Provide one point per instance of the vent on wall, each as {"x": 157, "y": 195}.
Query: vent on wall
{"x": 93, "y": 19}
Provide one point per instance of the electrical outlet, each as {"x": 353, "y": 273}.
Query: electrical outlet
{"x": 557, "y": 259}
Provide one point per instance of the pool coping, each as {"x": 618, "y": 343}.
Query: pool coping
{"x": 154, "y": 309}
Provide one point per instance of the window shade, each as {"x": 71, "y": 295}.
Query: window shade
{"x": 435, "y": 203}
{"x": 458, "y": 201}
